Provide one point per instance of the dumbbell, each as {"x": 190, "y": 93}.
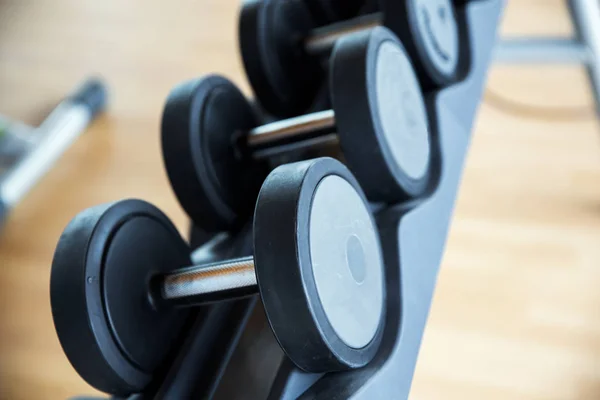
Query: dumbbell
{"x": 282, "y": 49}
{"x": 121, "y": 280}
{"x": 328, "y": 11}
{"x": 212, "y": 147}
{"x": 46, "y": 143}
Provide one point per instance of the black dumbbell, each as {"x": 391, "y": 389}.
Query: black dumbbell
{"x": 378, "y": 116}
{"x": 329, "y": 11}
{"x": 282, "y": 49}
{"x": 121, "y": 279}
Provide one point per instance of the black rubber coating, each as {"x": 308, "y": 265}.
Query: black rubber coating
{"x": 363, "y": 142}
{"x": 249, "y": 50}
{"x": 401, "y": 18}
{"x": 215, "y": 184}
{"x": 329, "y": 11}
{"x": 284, "y": 78}
{"x": 93, "y": 94}
{"x": 284, "y": 270}
{"x": 99, "y": 292}
{"x": 370, "y": 7}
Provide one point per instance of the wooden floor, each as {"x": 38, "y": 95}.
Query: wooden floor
{"x": 517, "y": 309}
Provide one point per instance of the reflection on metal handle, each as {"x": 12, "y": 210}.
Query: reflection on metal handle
{"x": 542, "y": 50}
{"x": 292, "y": 129}
{"x": 58, "y": 132}
{"x": 211, "y": 278}
{"x": 586, "y": 16}
{"x": 50, "y": 140}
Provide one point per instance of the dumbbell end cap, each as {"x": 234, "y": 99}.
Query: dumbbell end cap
{"x": 99, "y": 293}
{"x": 318, "y": 265}
{"x": 381, "y": 115}
{"x": 93, "y": 94}
{"x": 214, "y": 184}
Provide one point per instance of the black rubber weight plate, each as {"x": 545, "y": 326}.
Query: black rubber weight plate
{"x": 99, "y": 293}
{"x": 330, "y": 11}
{"x": 248, "y": 40}
{"x": 215, "y": 184}
{"x": 429, "y": 31}
{"x": 292, "y": 77}
{"x": 284, "y": 271}
{"x": 381, "y": 116}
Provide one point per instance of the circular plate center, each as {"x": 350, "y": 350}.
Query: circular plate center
{"x": 402, "y": 110}
{"x": 346, "y": 261}
{"x": 355, "y": 257}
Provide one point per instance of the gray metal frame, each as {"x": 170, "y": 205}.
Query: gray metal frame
{"x": 413, "y": 240}
{"x": 583, "y": 49}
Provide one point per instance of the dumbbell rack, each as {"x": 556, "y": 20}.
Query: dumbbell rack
{"x": 229, "y": 352}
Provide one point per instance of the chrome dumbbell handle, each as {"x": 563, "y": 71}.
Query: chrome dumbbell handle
{"x": 56, "y": 134}
{"x": 211, "y": 282}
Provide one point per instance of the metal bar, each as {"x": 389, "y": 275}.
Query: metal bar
{"x": 322, "y": 40}
{"x": 212, "y": 278}
{"x": 586, "y": 18}
{"x": 542, "y": 50}
{"x": 57, "y": 133}
{"x": 296, "y": 129}
{"x": 584, "y": 49}
{"x": 269, "y": 152}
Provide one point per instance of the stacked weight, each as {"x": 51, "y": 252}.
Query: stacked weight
{"x": 347, "y": 80}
